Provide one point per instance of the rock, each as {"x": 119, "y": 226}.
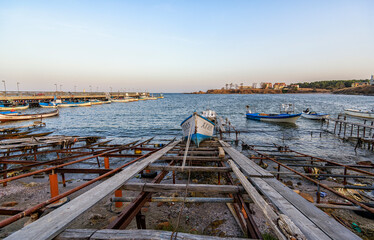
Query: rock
{"x": 31, "y": 184}
{"x": 96, "y": 216}
{"x": 9, "y": 204}
{"x": 33, "y": 218}
{"x": 163, "y": 226}
{"x": 288, "y": 183}
{"x": 160, "y": 204}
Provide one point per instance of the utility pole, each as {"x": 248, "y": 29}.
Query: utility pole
{"x": 4, "y": 87}
{"x": 18, "y": 88}
{"x": 91, "y": 88}
{"x": 56, "y": 86}
{"x": 75, "y": 88}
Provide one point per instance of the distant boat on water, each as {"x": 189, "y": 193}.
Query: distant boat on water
{"x": 360, "y": 113}
{"x": 314, "y": 115}
{"x": 198, "y": 128}
{"x": 59, "y": 103}
{"x": 286, "y": 115}
{"x": 124, "y": 100}
{"x": 4, "y": 107}
{"x": 19, "y": 117}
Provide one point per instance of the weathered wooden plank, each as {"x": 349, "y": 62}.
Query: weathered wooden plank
{"x": 189, "y": 168}
{"x": 326, "y": 223}
{"x": 76, "y": 234}
{"x": 310, "y": 230}
{"x": 111, "y": 234}
{"x": 270, "y": 215}
{"x": 192, "y": 158}
{"x": 158, "y": 187}
{"x": 55, "y": 222}
{"x": 245, "y": 164}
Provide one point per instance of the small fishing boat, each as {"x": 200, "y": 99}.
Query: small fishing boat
{"x": 5, "y": 107}
{"x": 107, "y": 101}
{"x": 160, "y": 96}
{"x": 48, "y": 104}
{"x": 19, "y": 117}
{"x": 286, "y": 115}
{"x": 126, "y": 99}
{"x": 74, "y": 104}
{"x": 360, "y": 113}
{"x": 313, "y": 115}
{"x": 96, "y": 102}
{"x": 198, "y": 128}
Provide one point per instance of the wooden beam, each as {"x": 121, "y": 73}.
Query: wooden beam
{"x": 157, "y": 187}
{"x": 55, "y": 222}
{"x": 109, "y": 234}
{"x": 270, "y": 215}
{"x": 192, "y": 158}
{"x": 189, "y": 168}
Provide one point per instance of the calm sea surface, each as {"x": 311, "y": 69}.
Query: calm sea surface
{"x": 123, "y": 122}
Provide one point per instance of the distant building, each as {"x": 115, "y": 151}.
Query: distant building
{"x": 295, "y": 86}
{"x": 372, "y": 80}
{"x": 266, "y": 85}
{"x": 245, "y": 87}
{"x": 278, "y": 86}
{"x": 360, "y": 84}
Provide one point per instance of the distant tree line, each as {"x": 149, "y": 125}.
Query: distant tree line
{"x": 331, "y": 84}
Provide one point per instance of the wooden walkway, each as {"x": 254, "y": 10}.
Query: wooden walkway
{"x": 313, "y": 222}
{"x": 292, "y": 216}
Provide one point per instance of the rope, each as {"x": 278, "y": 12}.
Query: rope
{"x": 175, "y": 231}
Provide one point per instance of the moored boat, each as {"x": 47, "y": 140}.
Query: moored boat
{"x": 359, "y": 113}
{"x": 96, "y": 102}
{"x": 74, "y": 104}
{"x": 314, "y": 115}
{"x": 4, "y": 107}
{"x": 19, "y": 117}
{"x": 286, "y": 115}
{"x": 198, "y": 128}
{"x": 124, "y": 100}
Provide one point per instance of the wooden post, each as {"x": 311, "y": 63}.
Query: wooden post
{"x": 106, "y": 162}
{"x": 335, "y": 126}
{"x": 118, "y": 193}
{"x": 351, "y": 129}
{"x": 5, "y": 174}
{"x": 53, "y": 184}
{"x": 340, "y": 128}
{"x": 358, "y": 131}
{"x": 279, "y": 166}
{"x": 345, "y": 178}
{"x": 345, "y": 128}
{"x": 63, "y": 179}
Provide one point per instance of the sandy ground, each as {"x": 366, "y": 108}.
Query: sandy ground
{"x": 198, "y": 218}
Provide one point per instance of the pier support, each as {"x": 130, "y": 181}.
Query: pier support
{"x": 53, "y": 184}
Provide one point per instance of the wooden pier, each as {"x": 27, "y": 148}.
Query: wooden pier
{"x": 360, "y": 133}
{"x": 287, "y": 213}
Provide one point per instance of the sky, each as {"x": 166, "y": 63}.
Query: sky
{"x": 182, "y": 46}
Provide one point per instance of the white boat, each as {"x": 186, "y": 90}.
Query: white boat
{"x": 198, "y": 128}
{"x": 313, "y": 115}
{"x": 19, "y": 117}
{"x": 359, "y": 113}
{"x": 124, "y": 100}
{"x": 96, "y": 102}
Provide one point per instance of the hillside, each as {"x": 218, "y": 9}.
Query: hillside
{"x": 364, "y": 90}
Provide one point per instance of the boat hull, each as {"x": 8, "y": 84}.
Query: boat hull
{"x": 315, "y": 116}
{"x": 3, "y": 108}
{"x": 21, "y": 117}
{"x": 279, "y": 118}
{"x": 83, "y": 104}
{"x": 201, "y": 128}
{"x": 358, "y": 113}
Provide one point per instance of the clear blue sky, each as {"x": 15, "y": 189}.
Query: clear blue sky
{"x": 182, "y": 46}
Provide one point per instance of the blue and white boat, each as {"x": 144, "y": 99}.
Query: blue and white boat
{"x": 307, "y": 113}
{"x": 198, "y": 128}
{"x": 286, "y": 115}
{"x": 59, "y": 103}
